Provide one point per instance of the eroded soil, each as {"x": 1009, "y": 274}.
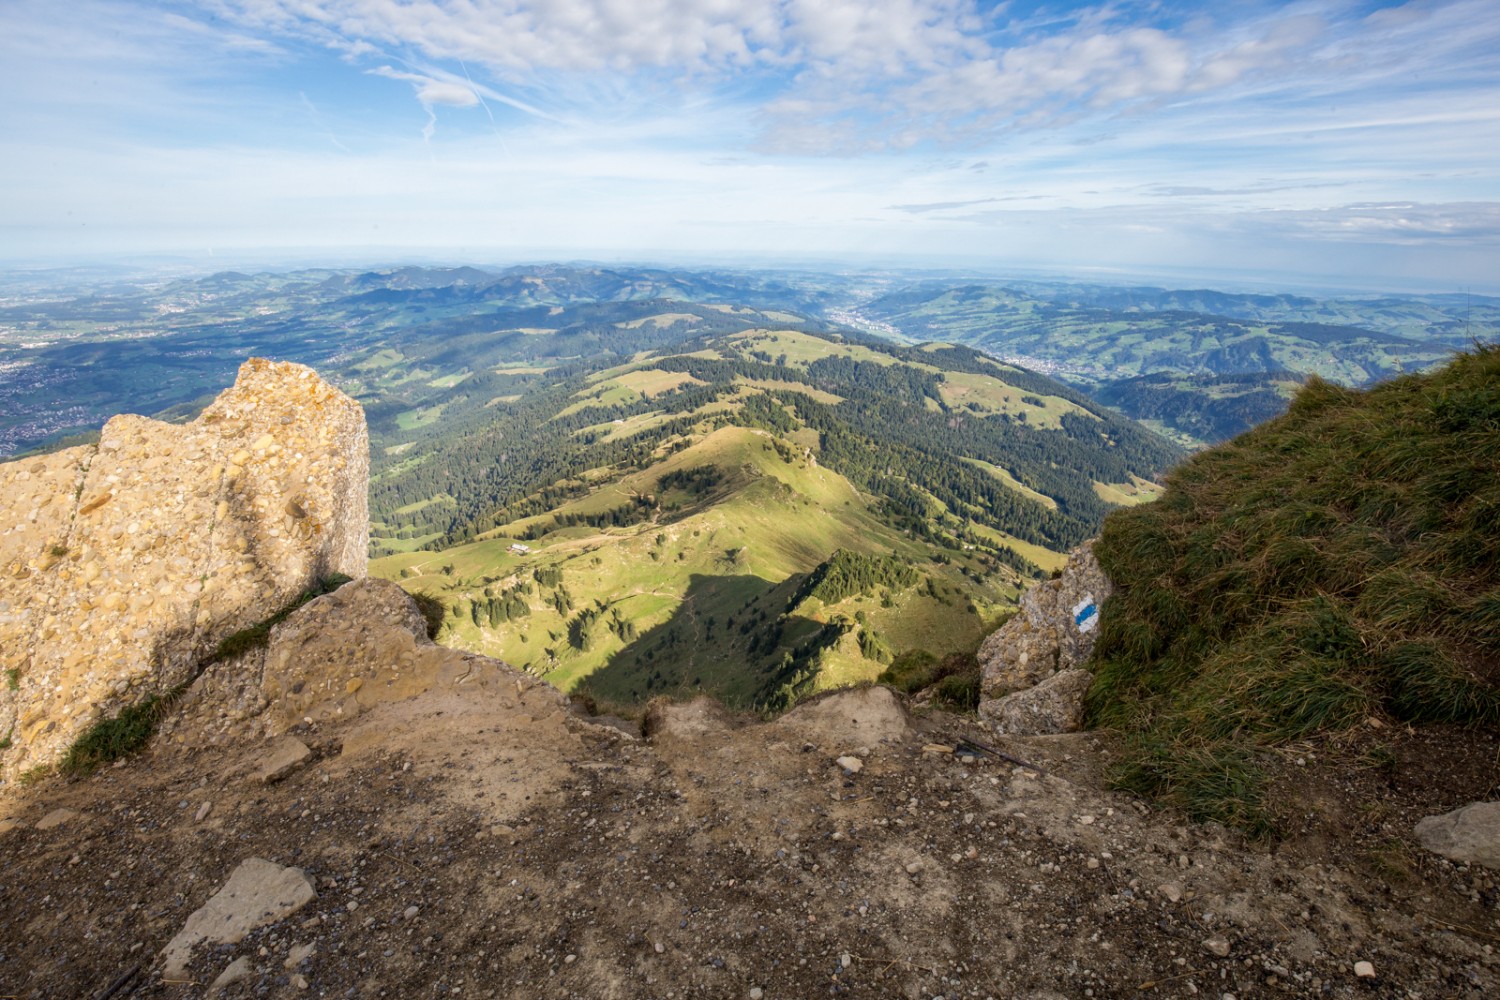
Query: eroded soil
{"x": 495, "y": 844}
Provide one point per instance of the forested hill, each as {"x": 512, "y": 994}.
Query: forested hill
{"x": 915, "y": 426}
{"x": 1202, "y": 365}
{"x": 638, "y": 480}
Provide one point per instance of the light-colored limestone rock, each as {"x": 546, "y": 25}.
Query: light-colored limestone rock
{"x": 123, "y": 564}
{"x": 696, "y": 719}
{"x": 235, "y": 971}
{"x": 258, "y": 893}
{"x": 1053, "y": 631}
{"x": 56, "y": 818}
{"x": 1470, "y": 834}
{"x": 1053, "y": 706}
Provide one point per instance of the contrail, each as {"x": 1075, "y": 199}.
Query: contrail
{"x": 476, "y": 91}
{"x": 318, "y": 119}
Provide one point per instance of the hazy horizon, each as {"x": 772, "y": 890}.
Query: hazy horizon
{"x": 1318, "y": 145}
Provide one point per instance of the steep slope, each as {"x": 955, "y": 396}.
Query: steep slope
{"x": 1338, "y": 564}
{"x": 657, "y": 531}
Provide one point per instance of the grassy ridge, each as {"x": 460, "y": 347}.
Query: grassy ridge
{"x": 1339, "y": 562}
{"x": 710, "y": 582}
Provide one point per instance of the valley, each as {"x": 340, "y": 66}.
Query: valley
{"x": 637, "y": 482}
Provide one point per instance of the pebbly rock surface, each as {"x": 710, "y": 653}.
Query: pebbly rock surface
{"x": 123, "y": 564}
{"x": 480, "y": 837}
{"x": 1053, "y": 706}
{"x": 702, "y": 717}
{"x": 333, "y": 659}
{"x": 1053, "y": 631}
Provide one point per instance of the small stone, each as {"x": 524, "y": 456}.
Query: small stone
{"x": 660, "y": 947}
{"x": 569, "y": 959}
{"x": 756, "y": 993}
{"x": 298, "y": 955}
{"x": 203, "y": 811}
{"x": 913, "y": 867}
{"x": 300, "y": 982}
{"x": 258, "y": 893}
{"x": 55, "y": 818}
{"x": 1217, "y": 946}
{"x": 239, "y": 969}
{"x": 846, "y": 960}
{"x": 850, "y": 764}
{"x": 1364, "y": 970}
{"x": 289, "y": 755}
{"x": 1470, "y": 834}
{"x": 1171, "y": 890}
{"x": 410, "y": 912}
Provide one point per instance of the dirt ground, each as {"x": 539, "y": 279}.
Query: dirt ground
{"x": 496, "y": 843}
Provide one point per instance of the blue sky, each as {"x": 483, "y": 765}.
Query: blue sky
{"x": 1305, "y": 139}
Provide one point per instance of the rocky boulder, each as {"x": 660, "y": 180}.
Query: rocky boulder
{"x": 123, "y": 564}
{"x": 1053, "y": 632}
{"x": 1053, "y": 706}
{"x": 333, "y": 659}
{"x": 1470, "y": 834}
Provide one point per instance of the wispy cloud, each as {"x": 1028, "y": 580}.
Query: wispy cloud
{"x": 942, "y": 206}
{"x": 1288, "y": 133}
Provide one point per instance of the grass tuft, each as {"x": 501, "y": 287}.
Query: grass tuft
{"x": 110, "y": 739}
{"x": 1340, "y": 561}
{"x": 954, "y": 680}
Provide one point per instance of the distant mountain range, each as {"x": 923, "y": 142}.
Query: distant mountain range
{"x": 68, "y": 361}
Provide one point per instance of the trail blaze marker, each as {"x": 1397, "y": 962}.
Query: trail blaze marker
{"x": 1086, "y": 614}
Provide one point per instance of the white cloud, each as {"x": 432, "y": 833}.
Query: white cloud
{"x": 432, "y": 91}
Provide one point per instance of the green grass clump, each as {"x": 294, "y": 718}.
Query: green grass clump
{"x": 1340, "y": 561}
{"x": 13, "y": 679}
{"x": 110, "y": 739}
{"x": 954, "y": 680}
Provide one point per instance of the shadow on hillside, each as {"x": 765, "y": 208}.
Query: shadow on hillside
{"x": 728, "y": 637}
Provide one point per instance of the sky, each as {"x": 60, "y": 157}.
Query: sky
{"x": 1294, "y": 140}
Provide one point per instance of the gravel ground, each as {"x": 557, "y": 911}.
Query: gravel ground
{"x": 503, "y": 846}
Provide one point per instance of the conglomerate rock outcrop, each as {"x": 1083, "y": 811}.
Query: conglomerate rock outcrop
{"x": 123, "y": 564}
{"x": 1052, "y": 634}
{"x": 331, "y": 660}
